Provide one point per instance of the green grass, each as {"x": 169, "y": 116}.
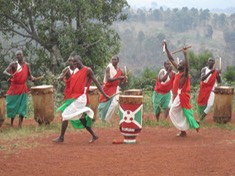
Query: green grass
{"x": 11, "y": 138}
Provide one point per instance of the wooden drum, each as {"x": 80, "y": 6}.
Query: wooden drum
{"x": 43, "y": 103}
{"x": 133, "y": 92}
{"x": 93, "y": 96}
{"x": 223, "y": 104}
{"x": 2, "y": 110}
{"x": 130, "y": 112}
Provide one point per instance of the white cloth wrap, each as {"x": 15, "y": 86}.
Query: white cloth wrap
{"x": 75, "y": 110}
{"x": 177, "y": 116}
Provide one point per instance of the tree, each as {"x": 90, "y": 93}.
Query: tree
{"x": 55, "y": 28}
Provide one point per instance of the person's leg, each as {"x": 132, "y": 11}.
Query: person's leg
{"x": 156, "y": 100}
{"x": 166, "y": 113}
{"x": 209, "y": 105}
{"x": 89, "y": 129}
{"x": 62, "y": 132}
{"x": 157, "y": 116}
{"x": 166, "y": 103}
{"x": 21, "y": 118}
{"x": 12, "y": 121}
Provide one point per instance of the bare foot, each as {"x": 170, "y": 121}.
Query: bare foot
{"x": 182, "y": 134}
{"x": 58, "y": 139}
{"x": 197, "y": 129}
{"x": 93, "y": 139}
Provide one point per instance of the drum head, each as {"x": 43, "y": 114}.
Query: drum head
{"x": 92, "y": 88}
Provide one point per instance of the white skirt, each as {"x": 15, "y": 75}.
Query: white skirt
{"x": 76, "y": 109}
{"x": 177, "y": 116}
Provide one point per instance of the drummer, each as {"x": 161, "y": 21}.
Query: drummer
{"x": 209, "y": 79}
{"x": 17, "y": 94}
{"x": 75, "y": 108}
{"x": 66, "y": 74}
{"x": 112, "y": 78}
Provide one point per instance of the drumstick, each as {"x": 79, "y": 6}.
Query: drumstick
{"x": 216, "y": 62}
{"x": 39, "y": 77}
{"x": 180, "y": 49}
{"x": 163, "y": 47}
{"x": 126, "y": 73}
{"x": 220, "y": 63}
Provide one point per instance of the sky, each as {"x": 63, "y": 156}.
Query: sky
{"x": 199, "y": 4}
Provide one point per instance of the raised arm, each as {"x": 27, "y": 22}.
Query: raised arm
{"x": 186, "y": 62}
{"x": 170, "y": 57}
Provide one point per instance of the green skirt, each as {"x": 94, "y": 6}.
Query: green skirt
{"x": 17, "y": 104}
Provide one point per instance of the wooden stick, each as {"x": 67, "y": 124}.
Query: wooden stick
{"x": 216, "y": 62}
{"x": 220, "y": 66}
{"x": 176, "y": 51}
{"x": 38, "y": 78}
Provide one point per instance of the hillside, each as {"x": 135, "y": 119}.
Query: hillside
{"x": 141, "y": 43}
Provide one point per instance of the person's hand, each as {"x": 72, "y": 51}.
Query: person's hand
{"x": 122, "y": 77}
{"x": 164, "y": 43}
{"x": 212, "y": 71}
{"x": 169, "y": 69}
{"x": 219, "y": 71}
{"x": 33, "y": 78}
{"x": 107, "y": 97}
{"x": 185, "y": 50}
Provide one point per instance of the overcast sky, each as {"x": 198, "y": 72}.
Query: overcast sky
{"x": 200, "y": 4}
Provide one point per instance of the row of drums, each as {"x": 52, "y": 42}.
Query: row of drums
{"x": 43, "y": 103}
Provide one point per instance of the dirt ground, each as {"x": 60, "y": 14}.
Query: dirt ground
{"x": 157, "y": 152}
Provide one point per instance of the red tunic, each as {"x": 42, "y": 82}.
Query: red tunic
{"x": 205, "y": 89}
{"x": 164, "y": 88}
{"x": 184, "y": 95}
{"x": 110, "y": 88}
{"x": 18, "y": 82}
{"x": 78, "y": 83}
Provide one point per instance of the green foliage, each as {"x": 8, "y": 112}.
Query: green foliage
{"x": 229, "y": 74}
{"x": 55, "y": 28}
{"x": 145, "y": 81}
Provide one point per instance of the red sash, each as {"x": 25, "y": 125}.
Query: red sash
{"x": 164, "y": 88}
{"x": 184, "y": 95}
{"x": 205, "y": 90}
{"x": 78, "y": 83}
{"x": 110, "y": 88}
{"x": 18, "y": 82}
{"x": 67, "y": 87}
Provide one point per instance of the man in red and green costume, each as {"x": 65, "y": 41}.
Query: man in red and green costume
{"x": 66, "y": 74}
{"x": 17, "y": 94}
{"x": 181, "y": 113}
{"x": 162, "y": 95}
{"x": 112, "y": 78}
{"x": 75, "y": 107}
{"x": 206, "y": 96}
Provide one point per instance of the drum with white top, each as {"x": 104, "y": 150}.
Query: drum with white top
{"x": 93, "y": 96}
{"x": 223, "y": 104}
{"x": 43, "y": 103}
{"x": 130, "y": 112}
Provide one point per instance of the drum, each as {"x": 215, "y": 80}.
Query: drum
{"x": 223, "y": 104}
{"x": 133, "y": 92}
{"x": 2, "y": 110}
{"x": 93, "y": 96}
{"x": 130, "y": 112}
{"x": 43, "y": 103}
